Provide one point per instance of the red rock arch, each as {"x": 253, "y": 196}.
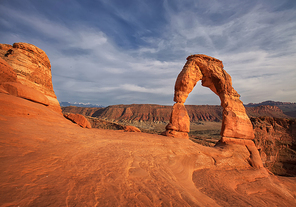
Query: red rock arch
{"x": 235, "y": 124}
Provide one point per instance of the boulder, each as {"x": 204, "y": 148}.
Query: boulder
{"x": 78, "y": 119}
{"x": 131, "y": 129}
{"x": 32, "y": 68}
{"x": 22, "y": 91}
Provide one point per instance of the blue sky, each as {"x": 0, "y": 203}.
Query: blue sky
{"x": 130, "y": 51}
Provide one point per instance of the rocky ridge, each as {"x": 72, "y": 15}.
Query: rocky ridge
{"x": 32, "y": 68}
{"x": 161, "y": 113}
{"x": 288, "y": 108}
{"x": 276, "y": 140}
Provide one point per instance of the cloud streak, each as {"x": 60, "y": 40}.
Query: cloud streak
{"x": 110, "y": 52}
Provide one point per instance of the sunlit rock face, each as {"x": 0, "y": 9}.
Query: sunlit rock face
{"x": 78, "y": 119}
{"x": 236, "y": 123}
{"x": 7, "y": 73}
{"x": 32, "y": 68}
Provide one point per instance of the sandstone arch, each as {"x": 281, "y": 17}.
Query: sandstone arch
{"x": 235, "y": 124}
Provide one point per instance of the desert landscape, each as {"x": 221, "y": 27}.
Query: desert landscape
{"x": 140, "y": 154}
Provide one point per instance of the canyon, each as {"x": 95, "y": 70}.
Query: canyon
{"x": 47, "y": 160}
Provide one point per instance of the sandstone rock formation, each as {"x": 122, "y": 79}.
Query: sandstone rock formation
{"x": 236, "y": 124}
{"x": 23, "y": 91}
{"x": 102, "y": 124}
{"x": 85, "y": 111}
{"x": 265, "y": 110}
{"x": 179, "y": 125}
{"x": 288, "y": 108}
{"x": 131, "y": 129}
{"x": 32, "y": 68}
{"x": 7, "y": 73}
{"x": 276, "y": 140}
{"x": 78, "y": 119}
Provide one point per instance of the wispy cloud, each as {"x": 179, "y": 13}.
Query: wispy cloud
{"x": 112, "y": 53}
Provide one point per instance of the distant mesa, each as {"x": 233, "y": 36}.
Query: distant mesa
{"x": 160, "y": 113}
{"x": 26, "y": 73}
{"x": 288, "y": 108}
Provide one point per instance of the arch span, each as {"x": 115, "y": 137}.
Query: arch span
{"x": 236, "y": 124}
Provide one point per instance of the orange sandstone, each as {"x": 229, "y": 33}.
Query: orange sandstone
{"x": 32, "y": 68}
{"x": 7, "y": 73}
{"x": 78, "y": 119}
{"x": 131, "y": 129}
{"x": 236, "y": 123}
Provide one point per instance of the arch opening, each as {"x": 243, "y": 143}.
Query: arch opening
{"x": 205, "y": 113}
{"x": 208, "y": 70}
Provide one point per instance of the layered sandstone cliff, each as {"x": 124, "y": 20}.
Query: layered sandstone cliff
{"x": 161, "y": 113}
{"x": 33, "y": 70}
{"x": 276, "y": 140}
{"x": 288, "y": 108}
{"x": 85, "y": 111}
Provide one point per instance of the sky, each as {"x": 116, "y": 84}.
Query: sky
{"x": 111, "y": 52}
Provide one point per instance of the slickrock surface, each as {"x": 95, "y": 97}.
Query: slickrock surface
{"x": 46, "y": 160}
{"x": 78, "y": 119}
{"x": 235, "y": 123}
{"x": 32, "y": 68}
{"x": 7, "y": 73}
{"x": 23, "y": 91}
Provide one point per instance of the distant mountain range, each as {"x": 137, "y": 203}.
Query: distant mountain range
{"x": 64, "y": 104}
{"x": 159, "y": 113}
